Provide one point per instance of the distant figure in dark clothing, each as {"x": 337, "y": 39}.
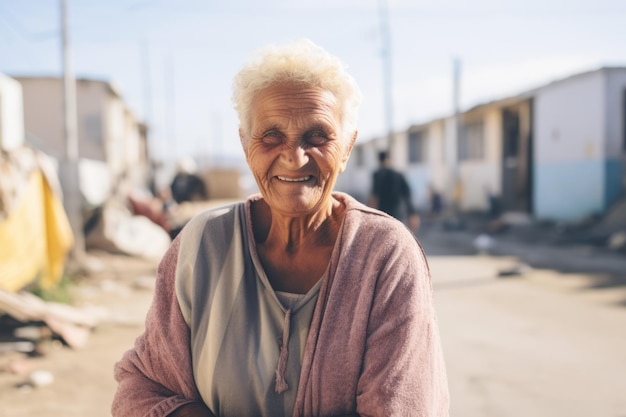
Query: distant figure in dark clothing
{"x": 187, "y": 185}
{"x": 391, "y": 193}
{"x": 436, "y": 204}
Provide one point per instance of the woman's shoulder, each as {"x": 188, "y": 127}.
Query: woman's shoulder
{"x": 217, "y": 217}
{"x": 372, "y": 242}
{"x": 212, "y": 231}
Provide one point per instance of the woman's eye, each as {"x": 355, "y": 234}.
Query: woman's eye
{"x": 317, "y": 138}
{"x": 272, "y": 138}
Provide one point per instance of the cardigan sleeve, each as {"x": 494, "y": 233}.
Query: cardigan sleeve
{"x": 155, "y": 377}
{"x": 403, "y": 370}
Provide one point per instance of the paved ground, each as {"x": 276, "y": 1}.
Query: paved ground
{"x": 543, "y": 344}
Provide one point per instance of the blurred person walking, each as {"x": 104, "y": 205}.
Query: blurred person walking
{"x": 391, "y": 193}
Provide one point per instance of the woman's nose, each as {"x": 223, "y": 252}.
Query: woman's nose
{"x": 295, "y": 155}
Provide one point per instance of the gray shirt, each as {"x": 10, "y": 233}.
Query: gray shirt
{"x": 238, "y": 323}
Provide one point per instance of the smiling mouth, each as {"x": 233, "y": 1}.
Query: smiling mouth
{"x": 301, "y": 179}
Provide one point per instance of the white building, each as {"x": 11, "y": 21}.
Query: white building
{"x": 11, "y": 114}
{"x": 108, "y": 131}
{"x": 557, "y": 152}
{"x": 580, "y": 144}
{"x": 112, "y": 142}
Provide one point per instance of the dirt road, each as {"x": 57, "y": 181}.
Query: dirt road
{"x": 83, "y": 382}
{"x": 542, "y": 344}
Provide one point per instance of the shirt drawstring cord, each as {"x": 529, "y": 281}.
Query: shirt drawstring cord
{"x": 281, "y": 384}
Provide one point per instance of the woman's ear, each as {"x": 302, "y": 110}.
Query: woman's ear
{"x": 347, "y": 151}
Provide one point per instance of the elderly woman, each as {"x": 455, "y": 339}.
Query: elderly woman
{"x": 299, "y": 301}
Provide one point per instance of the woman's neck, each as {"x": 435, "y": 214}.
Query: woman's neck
{"x": 289, "y": 233}
{"x": 295, "y": 252}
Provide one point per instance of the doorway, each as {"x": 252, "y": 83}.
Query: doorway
{"x": 517, "y": 170}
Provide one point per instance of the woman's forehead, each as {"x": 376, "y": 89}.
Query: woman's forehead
{"x": 294, "y": 96}
{"x": 290, "y": 102}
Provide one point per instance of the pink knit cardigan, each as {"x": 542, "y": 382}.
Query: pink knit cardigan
{"x": 373, "y": 346}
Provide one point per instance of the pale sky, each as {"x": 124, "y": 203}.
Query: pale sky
{"x": 179, "y": 56}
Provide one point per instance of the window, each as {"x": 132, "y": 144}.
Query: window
{"x": 472, "y": 141}
{"x": 417, "y": 147}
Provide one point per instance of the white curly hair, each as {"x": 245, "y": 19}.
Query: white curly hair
{"x": 303, "y": 62}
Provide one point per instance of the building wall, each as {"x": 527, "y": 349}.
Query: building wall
{"x": 448, "y": 179}
{"x": 108, "y": 131}
{"x": 90, "y": 99}
{"x": 399, "y": 151}
{"x": 114, "y": 132}
{"x": 437, "y": 155}
{"x": 418, "y": 177}
{"x": 11, "y": 113}
{"x": 615, "y": 89}
{"x": 433, "y": 171}
{"x": 44, "y": 118}
{"x": 615, "y": 146}
{"x": 569, "y": 148}
{"x": 132, "y": 143}
{"x": 484, "y": 176}
{"x": 43, "y": 114}
{"x": 356, "y": 180}
{"x": 135, "y": 152}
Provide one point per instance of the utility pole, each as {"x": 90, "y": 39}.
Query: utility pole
{"x": 68, "y": 169}
{"x": 387, "y": 73}
{"x": 455, "y": 148}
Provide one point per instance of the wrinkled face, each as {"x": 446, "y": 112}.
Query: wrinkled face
{"x": 295, "y": 149}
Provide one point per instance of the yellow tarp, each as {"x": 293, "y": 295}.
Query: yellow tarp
{"x": 35, "y": 238}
